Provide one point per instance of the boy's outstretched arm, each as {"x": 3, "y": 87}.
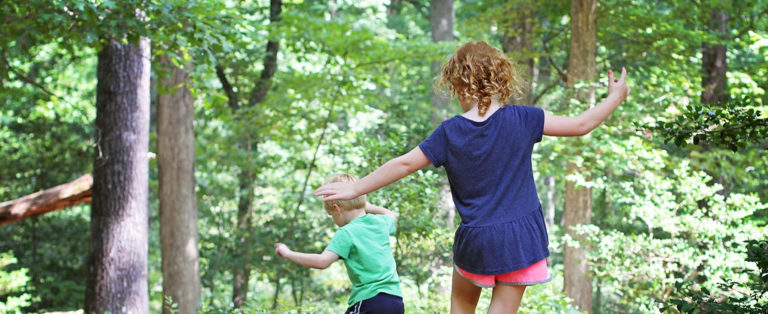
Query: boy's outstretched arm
{"x": 389, "y": 172}
{"x": 591, "y": 118}
{"x": 319, "y": 261}
{"x": 378, "y": 210}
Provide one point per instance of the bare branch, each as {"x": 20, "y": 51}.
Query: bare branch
{"x": 24, "y": 78}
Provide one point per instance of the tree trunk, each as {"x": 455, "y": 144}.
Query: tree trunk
{"x": 518, "y": 41}
{"x": 242, "y": 270}
{"x": 441, "y": 20}
{"x": 393, "y": 14}
{"x": 578, "y": 200}
{"x": 549, "y": 209}
{"x": 441, "y": 16}
{"x": 578, "y": 211}
{"x": 117, "y": 261}
{"x": 714, "y": 81}
{"x": 247, "y": 176}
{"x": 276, "y": 295}
{"x": 55, "y": 198}
{"x": 178, "y": 202}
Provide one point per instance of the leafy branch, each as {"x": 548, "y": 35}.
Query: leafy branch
{"x": 733, "y": 124}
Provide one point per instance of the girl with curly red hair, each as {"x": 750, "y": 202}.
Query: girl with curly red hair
{"x": 486, "y": 151}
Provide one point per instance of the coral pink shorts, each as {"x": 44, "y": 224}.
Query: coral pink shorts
{"x": 531, "y": 275}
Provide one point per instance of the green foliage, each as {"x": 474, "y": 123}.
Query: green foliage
{"x": 12, "y": 283}
{"x": 743, "y": 298}
{"x": 671, "y": 229}
{"x": 734, "y": 125}
{"x": 356, "y": 74}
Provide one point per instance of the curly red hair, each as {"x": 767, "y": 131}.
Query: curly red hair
{"x": 476, "y": 73}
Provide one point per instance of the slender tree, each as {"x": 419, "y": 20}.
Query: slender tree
{"x": 117, "y": 261}
{"x": 518, "y": 36}
{"x": 247, "y": 175}
{"x": 441, "y": 17}
{"x": 178, "y": 202}
{"x": 578, "y": 200}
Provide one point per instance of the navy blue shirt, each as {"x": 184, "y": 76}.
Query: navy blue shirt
{"x": 488, "y": 164}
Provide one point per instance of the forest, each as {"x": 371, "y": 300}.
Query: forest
{"x": 177, "y": 141}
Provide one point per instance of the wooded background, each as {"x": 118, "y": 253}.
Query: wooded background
{"x": 207, "y": 124}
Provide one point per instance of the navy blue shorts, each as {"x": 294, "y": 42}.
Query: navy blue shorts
{"x": 382, "y": 303}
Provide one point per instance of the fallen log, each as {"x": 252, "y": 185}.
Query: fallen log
{"x": 55, "y": 198}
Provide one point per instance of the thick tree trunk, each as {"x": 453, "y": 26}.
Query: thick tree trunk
{"x": 714, "y": 64}
{"x": 55, "y": 198}
{"x": 582, "y": 62}
{"x": 441, "y": 16}
{"x": 577, "y": 280}
{"x": 518, "y": 41}
{"x": 117, "y": 261}
{"x": 178, "y": 202}
{"x": 247, "y": 176}
{"x": 578, "y": 200}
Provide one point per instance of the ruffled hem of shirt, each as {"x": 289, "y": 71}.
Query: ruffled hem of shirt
{"x": 502, "y": 248}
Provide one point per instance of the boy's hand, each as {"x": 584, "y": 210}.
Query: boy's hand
{"x": 337, "y": 191}
{"x": 378, "y": 210}
{"x": 618, "y": 86}
{"x": 281, "y": 250}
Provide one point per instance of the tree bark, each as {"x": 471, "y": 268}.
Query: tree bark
{"x": 578, "y": 200}
{"x": 441, "y": 16}
{"x": 247, "y": 176}
{"x": 577, "y": 280}
{"x": 518, "y": 26}
{"x": 441, "y": 20}
{"x": 549, "y": 208}
{"x": 714, "y": 81}
{"x": 178, "y": 202}
{"x": 55, "y": 198}
{"x": 117, "y": 261}
{"x": 242, "y": 270}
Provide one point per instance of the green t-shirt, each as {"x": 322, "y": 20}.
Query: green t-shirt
{"x": 363, "y": 243}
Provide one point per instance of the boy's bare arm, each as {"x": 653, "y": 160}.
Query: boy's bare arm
{"x": 319, "y": 261}
{"x": 591, "y": 118}
{"x": 378, "y": 210}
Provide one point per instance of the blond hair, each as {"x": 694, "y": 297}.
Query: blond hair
{"x": 355, "y": 203}
{"x": 476, "y": 72}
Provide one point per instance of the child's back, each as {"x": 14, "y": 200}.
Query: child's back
{"x": 488, "y": 164}
{"x": 364, "y": 245}
{"x": 362, "y": 241}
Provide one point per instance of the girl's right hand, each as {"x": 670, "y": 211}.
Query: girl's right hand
{"x": 618, "y": 86}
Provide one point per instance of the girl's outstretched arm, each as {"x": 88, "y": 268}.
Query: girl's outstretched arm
{"x": 389, "y": 172}
{"x": 591, "y": 118}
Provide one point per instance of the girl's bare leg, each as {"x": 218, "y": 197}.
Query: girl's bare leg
{"x": 464, "y": 295}
{"x": 506, "y": 299}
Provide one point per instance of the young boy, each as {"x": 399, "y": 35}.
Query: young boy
{"x": 362, "y": 241}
